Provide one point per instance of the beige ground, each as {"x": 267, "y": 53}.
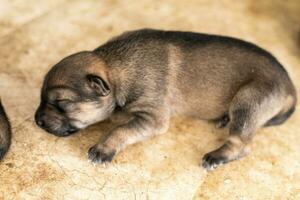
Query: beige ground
{"x": 36, "y": 34}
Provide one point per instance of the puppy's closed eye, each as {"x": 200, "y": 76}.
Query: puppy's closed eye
{"x": 61, "y": 104}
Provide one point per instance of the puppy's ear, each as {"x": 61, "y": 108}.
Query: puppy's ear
{"x": 98, "y": 84}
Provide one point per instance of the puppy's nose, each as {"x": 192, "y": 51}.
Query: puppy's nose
{"x": 40, "y": 122}
{"x": 39, "y": 119}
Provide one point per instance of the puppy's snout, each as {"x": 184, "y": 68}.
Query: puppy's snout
{"x": 53, "y": 123}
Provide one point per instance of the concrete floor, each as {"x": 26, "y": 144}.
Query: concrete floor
{"x": 34, "y": 35}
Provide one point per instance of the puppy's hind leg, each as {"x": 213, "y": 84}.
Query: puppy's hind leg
{"x": 253, "y": 105}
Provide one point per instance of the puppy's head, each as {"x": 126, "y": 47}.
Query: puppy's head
{"x": 76, "y": 93}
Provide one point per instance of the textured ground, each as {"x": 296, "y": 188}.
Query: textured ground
{"x": 34, "y": 35}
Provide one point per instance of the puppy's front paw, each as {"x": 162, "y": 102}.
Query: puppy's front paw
{"x": 212, "y": 160}
{"x": 99, "y": 154}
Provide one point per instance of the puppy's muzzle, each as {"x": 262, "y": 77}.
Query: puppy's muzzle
{"x": 65, "y": 129}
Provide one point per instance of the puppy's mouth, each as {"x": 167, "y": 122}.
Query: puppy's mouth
{"x": 67, "y": 132}
{"x": 61, "y": 132}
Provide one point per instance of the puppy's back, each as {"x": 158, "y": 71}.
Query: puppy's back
{"x": 205, "y": 69}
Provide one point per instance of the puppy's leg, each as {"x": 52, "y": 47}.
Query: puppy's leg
{"x": 120, "y": 117}
{"x": 252, "y": 107}
{"x": 143, "y": 125}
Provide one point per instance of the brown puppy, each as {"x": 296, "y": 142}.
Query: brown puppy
{"x": 151, "y": 75}
{"x": 5, "y": 132}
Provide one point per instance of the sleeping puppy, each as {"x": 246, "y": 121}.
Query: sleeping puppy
{"x": 5, "y": 132}
{"x": 151, "y": 75}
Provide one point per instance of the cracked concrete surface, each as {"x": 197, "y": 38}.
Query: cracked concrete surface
{"x": 34, "y": 35}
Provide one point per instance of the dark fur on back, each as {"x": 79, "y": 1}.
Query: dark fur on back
{"x": 129, "y": 43}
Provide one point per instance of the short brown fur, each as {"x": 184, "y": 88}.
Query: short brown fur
{"x": 152, "y": 75}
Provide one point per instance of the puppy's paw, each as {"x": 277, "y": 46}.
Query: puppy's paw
{"x": 212, "y": 160}
{"x": 99, "y": 154}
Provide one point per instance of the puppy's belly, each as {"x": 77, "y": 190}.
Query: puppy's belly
{"x": 206, "y": 97}
{"x": 199, "y": 106}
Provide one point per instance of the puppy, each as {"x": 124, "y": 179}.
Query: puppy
{"x": 5, "y": 132}
{"x": 151, "y": 75}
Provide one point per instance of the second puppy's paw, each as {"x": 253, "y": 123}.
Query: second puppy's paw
{"x": 99, "y": 154}
{"x": 3, "y": 150}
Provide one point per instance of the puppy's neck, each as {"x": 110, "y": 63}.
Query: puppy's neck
{"x": 121, "y": 74}
{"x": 120, "y": 79}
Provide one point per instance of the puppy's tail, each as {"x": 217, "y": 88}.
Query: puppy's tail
{"x": 279, "y": 119}
{"x": 283, "y": 116}
{"x": 5, "y": 132}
